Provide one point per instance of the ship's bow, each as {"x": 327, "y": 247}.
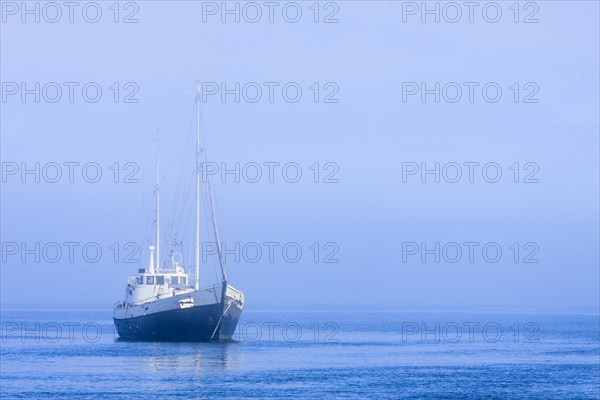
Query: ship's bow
{"x": 233, "y": 304}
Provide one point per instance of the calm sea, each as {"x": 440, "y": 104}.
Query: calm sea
{"x": 73, "y": 354}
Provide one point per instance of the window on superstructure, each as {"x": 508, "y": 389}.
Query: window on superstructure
{"x": 174, "y": 280}
{"x": 149, "y": 280}
{"x": 183, "y": 280}
{"x": 160, "y": 280}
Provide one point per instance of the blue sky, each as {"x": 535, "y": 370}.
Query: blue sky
{"x": 368, "y": 134}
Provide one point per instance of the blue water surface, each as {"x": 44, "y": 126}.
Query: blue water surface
{"x": 74, "y": 354}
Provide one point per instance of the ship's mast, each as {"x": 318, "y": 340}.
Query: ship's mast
{"x": 157, "y": 207}
{"x": 197, "y": 259}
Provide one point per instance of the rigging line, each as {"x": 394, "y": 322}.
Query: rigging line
{"x": 220, "y": 319}
{"x": 185, "y": 209}
{"x": 218, "y": 239}
{"x": 186, "y": 146}
{"x": 184, "y": 205}
{"x": 177, "y": 216}
{"x": 208, "y": 229}
{"x": 183, "y": 164}
{"x": 212, "y": 207}
{"x": 173, "y": 215}
{"x": 189, "y": 210}
{"x": 208, "y": 200}
{"x": 176, "y": 210}
{"x": 171, "y": 233}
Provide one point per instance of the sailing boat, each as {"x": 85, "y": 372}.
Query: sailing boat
{"x": 166, "y": 304}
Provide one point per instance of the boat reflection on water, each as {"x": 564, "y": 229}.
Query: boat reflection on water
{"x": 186, "y": 358}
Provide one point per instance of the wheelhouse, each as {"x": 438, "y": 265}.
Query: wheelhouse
{"x": 155, "y": 283}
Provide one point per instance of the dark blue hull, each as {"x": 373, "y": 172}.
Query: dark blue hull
{"x": 213, "y": 322}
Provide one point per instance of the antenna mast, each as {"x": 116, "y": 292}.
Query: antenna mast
{"x": 197, "y": 258}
